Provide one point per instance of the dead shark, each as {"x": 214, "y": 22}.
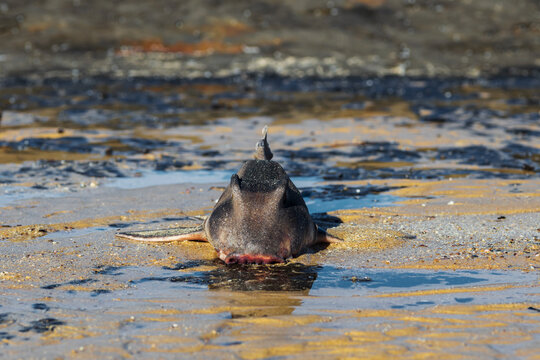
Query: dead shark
{"x": 260, "y": 217}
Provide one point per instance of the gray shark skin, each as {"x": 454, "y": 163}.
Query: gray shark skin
{"x": 260, "y": 218}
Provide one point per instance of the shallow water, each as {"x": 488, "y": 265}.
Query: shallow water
{"x": 310, "y": 186}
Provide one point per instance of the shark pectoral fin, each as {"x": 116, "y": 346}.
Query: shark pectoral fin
{"x": 324, "y": 237}
{"x": 196, "y": 233}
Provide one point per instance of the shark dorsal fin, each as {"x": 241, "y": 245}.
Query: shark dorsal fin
{"x": 262, "y": 149}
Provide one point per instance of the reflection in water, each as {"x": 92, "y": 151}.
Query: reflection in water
{"x": 300, "y": 278}
{"x": 239, "y": 277}
{"x": 253, "y": 290}
{"x": 407, "y": 279}
{"x": 258, "y": 304}
{"x": 272, "y": 290}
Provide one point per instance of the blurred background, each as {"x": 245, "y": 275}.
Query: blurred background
{"x": 406, "y": 88}
{"x": 194, "y": 38}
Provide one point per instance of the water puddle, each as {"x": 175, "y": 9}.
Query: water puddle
{"x": 147, "y": 178}
{"x": 14, "y": 194}
{"x": 318, "y": 196}
{"x": 155, "y": 178}
{"x": 379, "y": 288}
{"x": 365, "y": 201}
{"x": 321, "y": 287}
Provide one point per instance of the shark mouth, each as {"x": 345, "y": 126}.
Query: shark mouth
{"x": 250, "y": 259}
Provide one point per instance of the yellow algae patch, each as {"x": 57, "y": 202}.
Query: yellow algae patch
{"x": 247, "y": 311}
{"x": 475, "y": 324}
{"x": 445, "y": 334}
{"x": 194, "y": 249}
{"x": 57, "y": 213}
{"x": 402, "y": 332}
{"x": 34, "y": 132}
{"x": 158, "y": 319}
{"x": 521, "y": 261}
{"x": 293, "y": 132}
{"x": 77, "y": 288}
{"x": 437, "y": 344}
{"x": 194, "y": 166}
{"x": 367, "y": 336}
{"x": 456, "y": 187}
{"x": 374, "y": 164}
{"x": 408, "y": 187}
{"x": 147, "y": 133}
{"x": 401, "y": 109}
{"x": 361, "y": 215}
{"x": 66, "y": 332}
{"x": 344, "y": 347}
{"x": 221, "y": 129}
{"x": 374, "y": 313}
{"x": 27, "y": 232}
{"x": 473, "y": 309}
{"x": 5, "y": 275}
{"x": 162, "y": 339}
{"x": 476, "y": 197}
{"x": 222, "y": 309}
{"x": 274, "y": 351}
{"x": 285, "y": 322}
{"x": 363, "y": 238}
{"x": 450, "y": 291}
{"x": 201, "y": 268}
{"x": 456, "y": 167}
{"x": 368, "y": 351}
{"x": 91, "y": 351}
{"x": 422, "y": 319}
{"x": 8, "y": 156}
{"x": 163, "y": 312}
{"x": 345, "y": 343}
{"x": 187, "y": 349}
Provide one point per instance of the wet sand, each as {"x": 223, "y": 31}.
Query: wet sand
{"x": 410, "y": 281}
{"x": 444, "y": 267}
